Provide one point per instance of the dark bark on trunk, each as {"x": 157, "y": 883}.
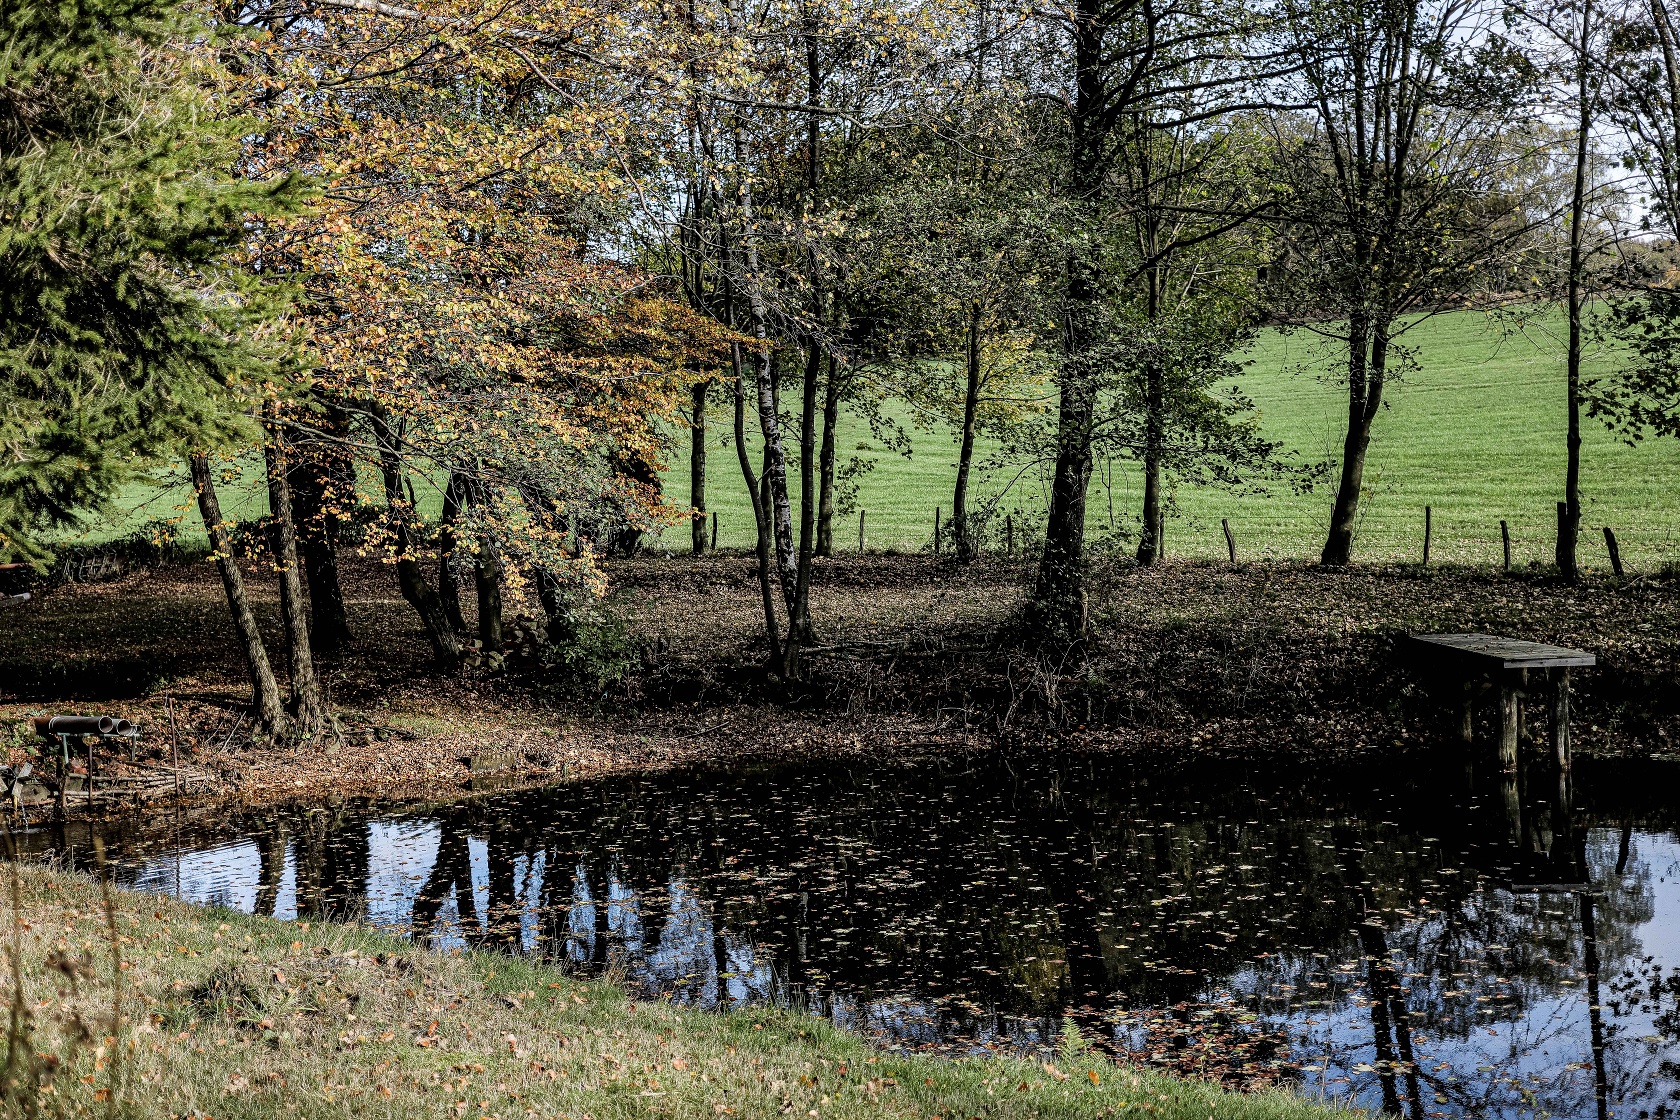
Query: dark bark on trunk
{"x": 449, "y": 588}
{"x": 446, "y": 642}
{"x": 308, "y": 709}
{"x": 1154, "y": 440}
{"x": 769, "y": 415}
{"x": 825, "y": 497}
{"x": 776, "y": 498}
{"x": 697, "y": 469}
{"x": 487, "y": 577}
{"x": 1569, "y": 520}
{"x": 317, "y": 486}
{"x": 764, "y": 538}
{"x": 265, "y": 692}
{"x": 761, "y": 519}
{"x": 1367, "y": 366}
{"x": 1056, "y": 616}
{"x": 963, "y": 531}
{"x": 799, "y": 620}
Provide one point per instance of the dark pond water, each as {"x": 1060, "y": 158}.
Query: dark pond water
{"x": 1405, "y": 940}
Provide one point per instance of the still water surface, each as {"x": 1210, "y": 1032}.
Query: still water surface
{"x": 1404, "y": 940}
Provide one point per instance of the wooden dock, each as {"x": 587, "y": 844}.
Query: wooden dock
{"x": 1515, "y": 671}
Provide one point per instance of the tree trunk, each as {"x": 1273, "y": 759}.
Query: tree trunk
{"x": 1056, "y": 614}
{"x": 446, "y": 642}
{"x": 308, "y": 709}
{"x": 316, "y": 488}
{"x": 449, "y": 588}
{"x": 265, "y": 692}
{"x": 1569, "y": 520}
{"x": 775, "y": 476}
{"x": 1154, "y": 436}
{"x": 1367, "y": 363}
{"x": 487, "y": 577}
{"x": 761, "y": 519}
{"x": 825, "y": 498}
{"x": 697, "y": 469}
{"x": 769, "y": 417}
{"x": 799, "y": 621}
{"x": 966, "y": 549}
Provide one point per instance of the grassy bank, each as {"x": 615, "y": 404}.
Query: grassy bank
{"x": 230, "y": 1016}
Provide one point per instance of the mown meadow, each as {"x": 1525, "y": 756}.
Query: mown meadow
{"x": 1474, "y": 429}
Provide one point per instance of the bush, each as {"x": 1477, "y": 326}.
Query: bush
{"x": 589, "y": 648}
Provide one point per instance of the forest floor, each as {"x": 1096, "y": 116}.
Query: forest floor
{"x": 1191, "y": 661}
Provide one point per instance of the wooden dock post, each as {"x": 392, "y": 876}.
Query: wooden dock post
{"x": 1230, "y": 541}
{"x": 1560, "y": 720}
{"x": 1505, "y": 535}
{"x": 1510, "y": 725}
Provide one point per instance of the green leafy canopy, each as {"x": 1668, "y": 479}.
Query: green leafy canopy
{"x": 130, "y": 323}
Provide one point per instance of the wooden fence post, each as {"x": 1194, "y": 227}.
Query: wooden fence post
{"x": 861, "y": 515}
{"x": 1505, "y": 535}
{"x": 1230, "y": 541}
{"x": 1428, "y": 528}
{"x": 1009, "y": 532}
{"x": 936, "y": 530}
{"x": 1615, "y": 551}
{"x": 714, "y": 530}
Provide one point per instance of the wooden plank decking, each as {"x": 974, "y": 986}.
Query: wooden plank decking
{"x": 1492, "y": 651}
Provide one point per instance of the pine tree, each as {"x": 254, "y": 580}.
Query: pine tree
{"x": 128, "y": 321}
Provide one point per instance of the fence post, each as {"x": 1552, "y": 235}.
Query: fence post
{"x": 714, "y": 530}
{"x": 1615, "y": 552}
{"x": 1505, "y": 536}
{"x": 1230, "y": 541}
{"x": 936, "y": 530}
{"x": 1009, "y": 532}
{"x": 1428, "y": 529}
{"x": 861, "y": 514}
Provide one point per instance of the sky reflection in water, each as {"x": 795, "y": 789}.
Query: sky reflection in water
{"x": 1232, "y": 932}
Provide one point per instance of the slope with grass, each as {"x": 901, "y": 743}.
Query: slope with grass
{"x": 1473, "y": 429}
{"x": 220, "y": 1014}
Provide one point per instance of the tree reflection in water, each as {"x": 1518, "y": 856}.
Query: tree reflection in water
{"x": 1418, "y": 948}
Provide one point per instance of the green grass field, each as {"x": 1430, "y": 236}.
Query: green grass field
{"x": 1475, "y": 431}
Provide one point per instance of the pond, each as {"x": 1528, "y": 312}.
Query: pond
{"x": 1405, "y": 939}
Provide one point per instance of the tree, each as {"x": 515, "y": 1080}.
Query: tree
{"x": 467, "y": 326}
{"x": 964, "y": 279}
{"x": 1642, "y": 64}
{"x": 1405, "y": 193}
{"x": 1117, "y": 65}
{"x": 129, "y": 329}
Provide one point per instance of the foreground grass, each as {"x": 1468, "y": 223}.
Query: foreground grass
{"x": 227, "y": 1016}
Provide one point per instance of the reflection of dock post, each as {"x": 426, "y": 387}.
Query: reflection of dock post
{"x": 1510, "y": 725}
{"x": 1560, "y": 720}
